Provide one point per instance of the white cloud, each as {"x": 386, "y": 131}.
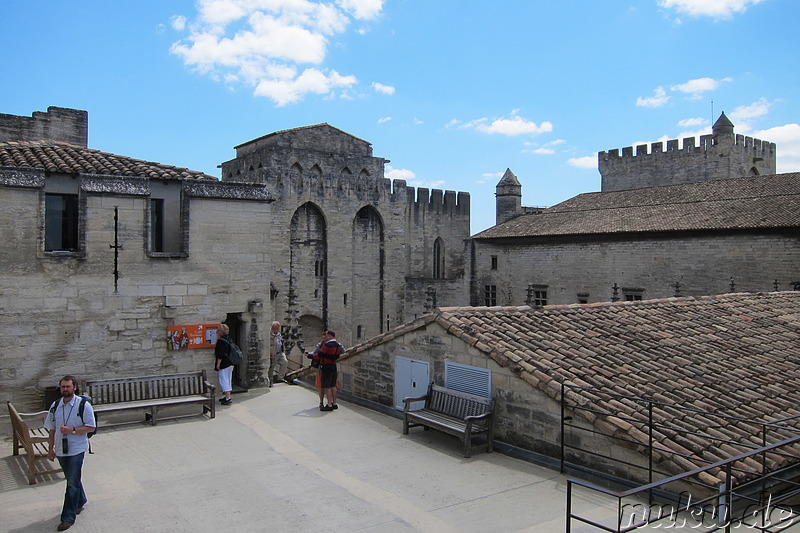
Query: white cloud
{"x": 383, "y": 89}
{"x": 659, "y": 99}
{"x": 178, "y": 22}
{"x": 288, "y": 91}
{"x": 589, "y": 161}
{"x": 511, "y": 125}
{"x": 716, "y": 9}
{"x": 787, "y": 139}
{"x": 747, "y": 112}
{"x": 265, "y": 44}
{"x": 544, "y": 149}
{"x": 362, "y": 9}
{"x": 489, "y": 177}
{"x": 398, "y": 173}
{"x": 384, "y": 120}
{"x": 417, "y": 121}
{"x": 411, "y": 178}
{"x": 695, "y": 88}
{"x": 691, "y": 122}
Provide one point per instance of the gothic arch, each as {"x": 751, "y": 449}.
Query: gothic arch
{"x": 296, "y": 173}
{"x": 368, "y": 271}
{"x": 308, "y": 262}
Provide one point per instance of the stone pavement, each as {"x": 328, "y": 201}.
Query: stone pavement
{"x": 273, "y": 462}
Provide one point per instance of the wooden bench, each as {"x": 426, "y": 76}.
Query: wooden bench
{"x": 151, "y": 392}
{"x": 457, "y": 413}
{"x": 32, "y": 440}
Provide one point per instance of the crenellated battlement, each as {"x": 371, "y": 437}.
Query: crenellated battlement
{"x": 437, "y": 201}
{"x": 763, "y": 149}
{"x": 720, "y": 155}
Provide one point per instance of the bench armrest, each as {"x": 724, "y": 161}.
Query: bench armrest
{"x": 210, "y": 387}
{"x": 473, "y": 418}
{"x": 408, "y": 401}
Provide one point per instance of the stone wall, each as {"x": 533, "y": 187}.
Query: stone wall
{"x": 56, "y": 124}
{"x": 700, "y": 264}
{"x": 525, "y": 416}
{"x": 715, "y": 157}
{"x": 61, "y": 314}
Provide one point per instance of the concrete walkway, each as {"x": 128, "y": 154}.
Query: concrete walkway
{"x": 273, "y": 462}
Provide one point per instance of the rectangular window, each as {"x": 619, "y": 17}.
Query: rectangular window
{"x": 494, "y": 262}
{"x": 583, "y": 297}
{"x": 490, "y": 295}
{"x": 632, "y": 295}
{"x": 61, "y": 223}
{"x": 537, "y": 295}
{"x": 157, "y": 225}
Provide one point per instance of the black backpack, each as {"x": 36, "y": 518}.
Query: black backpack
{"x": 81, "y": 407}
{"x": 235, "y": 355}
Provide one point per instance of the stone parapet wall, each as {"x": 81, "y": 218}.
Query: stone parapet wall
{"x": 56, "y": 124}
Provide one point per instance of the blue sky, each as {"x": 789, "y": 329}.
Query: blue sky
{"x": 452, "y": 92}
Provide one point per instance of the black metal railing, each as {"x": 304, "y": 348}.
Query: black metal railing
{"x": 760, "y": 503}
{"x": 663, "y": 433}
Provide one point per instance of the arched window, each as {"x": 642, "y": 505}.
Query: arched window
{"x": 438, "y": 259}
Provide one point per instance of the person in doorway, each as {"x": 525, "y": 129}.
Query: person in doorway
{"x": 223, "y": 364}
{"x": 329, "y": 352}
{"x": 277, "y": 359}
{"x": 68, "y": 422}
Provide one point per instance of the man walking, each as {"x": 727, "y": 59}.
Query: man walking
{"x": 277, "y": 359}
{"x": 68, "y": 422}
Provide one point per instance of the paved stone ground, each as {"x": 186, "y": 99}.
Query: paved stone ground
{"x": 273, "y": 462}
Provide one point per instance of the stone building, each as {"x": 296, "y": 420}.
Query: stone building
{"x": 714, "y": 371}
{"x": 666, "y": 224}
{"x": 720, "y": 155}
{"x": 101, "y": 253}
{"x": 104, "y": 252}
{"x": 355, "y": 252}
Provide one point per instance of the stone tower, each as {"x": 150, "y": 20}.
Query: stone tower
{"x": 508, "y": 195}
{"x": 721, "y": 155}
{"x": 352, "y": 250}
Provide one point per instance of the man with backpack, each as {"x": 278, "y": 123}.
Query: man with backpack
{"x": 68, "y": 422}
{"x": 224, "y": 365}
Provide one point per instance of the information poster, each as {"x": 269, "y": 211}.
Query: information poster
{"x": 189, "y": 337}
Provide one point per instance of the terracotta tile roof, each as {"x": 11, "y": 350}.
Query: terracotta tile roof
{"x": 735, "y": 354}
{"x": 66, "y": 158}
{"x": 742, "y": 203}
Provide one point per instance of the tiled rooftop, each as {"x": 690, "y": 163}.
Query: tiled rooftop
{"x": 66, "y": 158}
{"x": 737, "y": 354}
{"x": 741, "y": 203}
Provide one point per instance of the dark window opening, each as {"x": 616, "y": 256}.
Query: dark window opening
{"x": 583, "y": 297}
{"x": 632, "y": 295}
{"x": 490, "y": 295}
{"x": 157, "y": 225}
{"x": 537, "y": 295}
{"x": 61, "y": 222}
{"x": 438, "y": 259}
{"x": 494, "y": 262}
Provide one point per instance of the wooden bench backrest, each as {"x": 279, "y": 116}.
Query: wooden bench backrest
{"x": 105, "y": 391}
{"x": 18, "y": 425}
{"x": 458, "y": 404}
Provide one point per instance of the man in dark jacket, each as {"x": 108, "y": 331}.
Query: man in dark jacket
{"x": 329, "y": 352}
